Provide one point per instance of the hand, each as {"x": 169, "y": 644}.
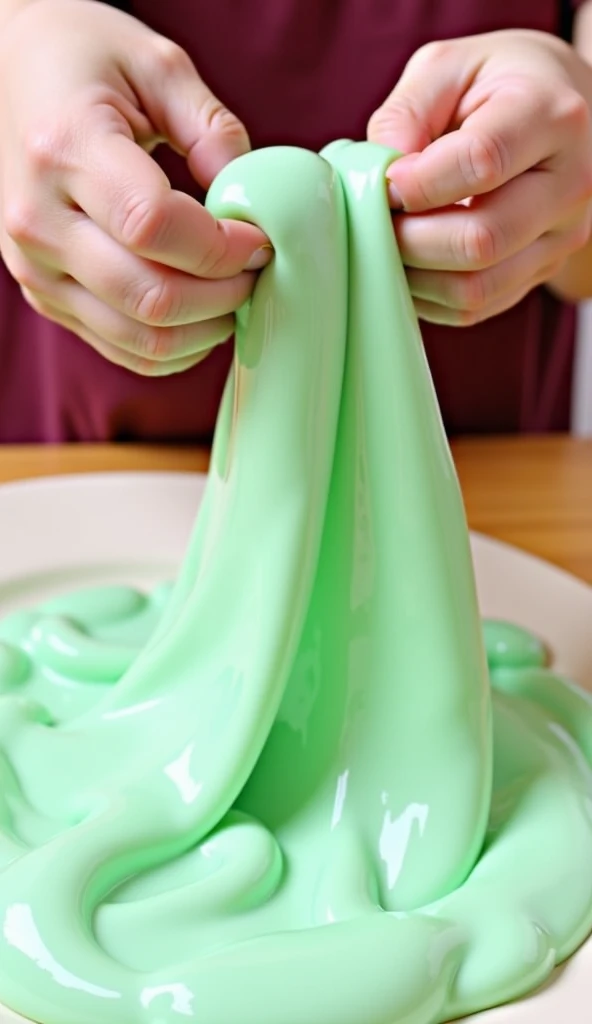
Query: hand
{"x": 501, "y": 124}
{"x": 89, "y": 225}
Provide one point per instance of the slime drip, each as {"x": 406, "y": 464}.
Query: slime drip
{"x": 285, "y": 792}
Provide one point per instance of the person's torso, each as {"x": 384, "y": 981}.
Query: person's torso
{"x": 302, "y": 72}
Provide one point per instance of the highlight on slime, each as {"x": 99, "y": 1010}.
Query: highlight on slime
{"x": 305, "y": 784}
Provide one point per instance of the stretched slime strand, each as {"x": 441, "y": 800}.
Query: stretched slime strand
{"x": 292, "y": 805}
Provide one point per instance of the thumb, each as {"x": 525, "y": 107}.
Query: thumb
{"x": 186, "y": 113}
{"x": 422, "y": 105}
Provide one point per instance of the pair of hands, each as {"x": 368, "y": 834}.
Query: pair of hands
{"x": 99, "y": 242}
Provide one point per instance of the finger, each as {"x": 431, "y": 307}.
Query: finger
{"x": 143, "y": 290}
{"x": 475, "y": 291}
{"x": 142, "y": 365}
{"x": 27, "y": 266}
{"x": 423, "y": 103}
{"x": 32, "y": 223}
{"x": 493, "y": 228}
{"x": 433, "y": 312}
{"x": 160, "y": 344}
{"x": 514, "y": 130}
{"x": 122, "y": 189}
{"x": 185, "y": 111}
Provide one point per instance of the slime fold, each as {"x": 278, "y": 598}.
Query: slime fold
{"x": 303, "y": 786}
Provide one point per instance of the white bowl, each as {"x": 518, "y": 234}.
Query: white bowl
{"x": 56, "y": 534}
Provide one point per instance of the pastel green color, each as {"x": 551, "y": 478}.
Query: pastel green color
{"x": 285, "y": 793}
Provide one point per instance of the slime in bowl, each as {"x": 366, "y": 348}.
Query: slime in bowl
{"x": 285, "y": 791}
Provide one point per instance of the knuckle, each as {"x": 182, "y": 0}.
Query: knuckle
{"x": 148, "y": 367}
{"x": 48, "y": 149}
{"x": 40, "y": 150}
{"x": 470, "y": 317}
{"x": 397, "y": 107}
{"x": 572, "y": 111}
{"x": 471, "y": 292}
{"x": 478, "y": 244}
{"x": 154, "y": 345}
{"x": 379, "y": 121}
{"x": 155, "y": 304}
{"x": 215, "y": 117}
{"x": 431, "y": 53}
{"x": 145, "y": 367}
{"x": 212, "y": 256}
{"x": 21, "y": 221}
{"x": 140, "y": 222}
{"x": 171, "y": 57}
{"x": 484, "y": 161}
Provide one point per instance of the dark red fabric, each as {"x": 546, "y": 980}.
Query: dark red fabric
{"x": 301, "y": 72}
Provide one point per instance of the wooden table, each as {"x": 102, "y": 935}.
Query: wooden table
{"x": 532, "y": 492}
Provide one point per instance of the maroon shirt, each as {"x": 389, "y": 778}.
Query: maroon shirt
{"x": 299, "y": 72}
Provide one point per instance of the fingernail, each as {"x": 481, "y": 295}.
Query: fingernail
{"x": 395, "y": 201}
{"x": 260, "y": 258}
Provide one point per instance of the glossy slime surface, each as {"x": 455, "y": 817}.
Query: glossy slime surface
{"x": 284, "y": 792}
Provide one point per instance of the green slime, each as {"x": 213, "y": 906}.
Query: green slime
{"x": 286, "y": 792}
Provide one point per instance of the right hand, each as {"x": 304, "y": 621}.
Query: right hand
{"x": 89, "y": 225}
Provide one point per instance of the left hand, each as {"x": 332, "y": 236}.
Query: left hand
{"x": 499, "y": 123}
